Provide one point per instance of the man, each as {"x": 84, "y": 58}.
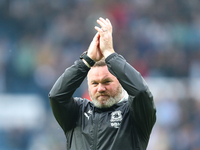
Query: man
{"x": 122, "y": 112}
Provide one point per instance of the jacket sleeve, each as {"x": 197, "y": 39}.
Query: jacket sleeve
{"x": 141, "y": 102}
{"x": 64, "y": 107}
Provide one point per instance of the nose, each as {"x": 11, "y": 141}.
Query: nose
{"x": 101, "y": 88}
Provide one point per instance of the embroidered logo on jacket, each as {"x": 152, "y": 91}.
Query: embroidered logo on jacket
{"x": 116, "y": 118}
{"x": 88, "y": 115}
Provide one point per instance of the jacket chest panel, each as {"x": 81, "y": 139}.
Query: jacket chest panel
{"x": 103, "y": 121}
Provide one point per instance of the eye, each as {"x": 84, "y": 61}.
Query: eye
{"x": 107, "y": 82}
{"x": 94, "y": 83}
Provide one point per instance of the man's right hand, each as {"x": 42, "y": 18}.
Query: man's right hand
{"x": 94, "y": 50}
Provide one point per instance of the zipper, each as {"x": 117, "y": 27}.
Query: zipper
{"x": 96, "y": 130}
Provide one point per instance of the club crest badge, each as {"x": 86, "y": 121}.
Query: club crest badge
{"x": 116, "y": 118}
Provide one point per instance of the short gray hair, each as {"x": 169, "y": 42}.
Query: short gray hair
{"x": 100, "y": 63}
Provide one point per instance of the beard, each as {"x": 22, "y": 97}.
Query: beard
{"x": 110, "y": 101}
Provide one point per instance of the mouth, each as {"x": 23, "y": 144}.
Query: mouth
{"x": 102, "y": 96}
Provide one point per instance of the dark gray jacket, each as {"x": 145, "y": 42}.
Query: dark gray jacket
{"x": 125, "y": 126}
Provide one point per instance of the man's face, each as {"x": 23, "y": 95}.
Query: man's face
{"x": 104, "y": 88}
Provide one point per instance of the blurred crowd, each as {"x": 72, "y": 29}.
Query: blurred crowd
{"x": 39, "y": 39}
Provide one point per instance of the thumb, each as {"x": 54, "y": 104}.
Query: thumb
{"x": 96, "y": 37}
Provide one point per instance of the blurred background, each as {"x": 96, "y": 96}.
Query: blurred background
{"x": 39, "y": 39}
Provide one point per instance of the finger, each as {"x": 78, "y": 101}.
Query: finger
{"x": 100, "y": 23}
{"x": 96, "y": 36}
{"x": 98, "y": 29}
{"x": 108, "y": 21}
{"x": 103, "y": 20}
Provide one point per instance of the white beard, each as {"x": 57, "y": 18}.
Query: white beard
{"x": 110, "y": 102}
